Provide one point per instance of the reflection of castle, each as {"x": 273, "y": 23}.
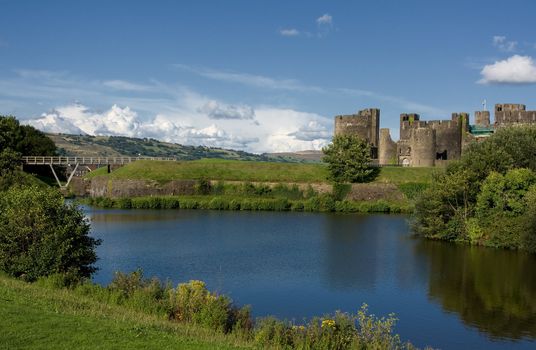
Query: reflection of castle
{"x": 428, "y": 143}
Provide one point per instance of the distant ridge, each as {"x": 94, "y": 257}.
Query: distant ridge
{"x": 116, "y": 146}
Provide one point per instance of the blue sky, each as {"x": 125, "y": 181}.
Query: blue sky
{"x": 258, "y": 75}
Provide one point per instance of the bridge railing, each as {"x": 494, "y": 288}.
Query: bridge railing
{"x": 45, "y": 160}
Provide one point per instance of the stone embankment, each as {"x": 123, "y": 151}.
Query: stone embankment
{"x": 115, "y": 188}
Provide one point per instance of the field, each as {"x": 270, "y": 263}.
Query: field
{"x": 32, "y": 316}
{"x": 229, "y": 170}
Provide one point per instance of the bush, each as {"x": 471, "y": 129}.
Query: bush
{"x": 340, "y": 190}
{"x": 40, "y": 235}
{"x": 349, "y": 158}
{"x": 192, "y": 302}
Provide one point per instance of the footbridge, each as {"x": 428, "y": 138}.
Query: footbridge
{"x": 86, "y": 162}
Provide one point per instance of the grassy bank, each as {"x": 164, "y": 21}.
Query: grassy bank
{"x": 229, "y": 170}
{"x": 37, "y": 317}
{"x": 323, "y": 203}
{"x": 133, "y": 312}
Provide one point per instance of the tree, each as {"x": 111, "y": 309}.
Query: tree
{"x": 487, "y": 197}
{"x": 24, "y": 139}
{"x": 348, "y": 159}
{"x": 41, "y": 235}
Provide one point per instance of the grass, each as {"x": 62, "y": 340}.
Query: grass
{"x": 321, "y": 203}
{"x": 35, "y": 317}
{"x": 231, "y": 170}
{"x": 401, "y": 175}
{"x": 137, "y": 313}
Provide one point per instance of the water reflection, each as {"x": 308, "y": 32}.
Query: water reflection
{"x": 347, "y": 265}
{"x": 493, "y": 290}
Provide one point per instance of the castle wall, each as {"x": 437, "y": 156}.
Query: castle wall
{"x": 387, "y": 148}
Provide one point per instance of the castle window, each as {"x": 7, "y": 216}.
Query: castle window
{"x": 441, "y": 155}
{"x": 499, "y": 108}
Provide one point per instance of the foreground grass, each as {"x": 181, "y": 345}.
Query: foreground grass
{"x": 35, "y": 317}
{"x": 230, "y": 170}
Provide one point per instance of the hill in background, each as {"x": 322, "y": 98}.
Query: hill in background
{"x": 116, "y": 146}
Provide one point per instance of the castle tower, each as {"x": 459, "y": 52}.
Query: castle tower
{"x": 482, "y": 119}
{"x": 423, "y": 145}
{"x": 365, "y": 124}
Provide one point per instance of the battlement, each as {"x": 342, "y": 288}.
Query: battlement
{"x": 509, "y": 107}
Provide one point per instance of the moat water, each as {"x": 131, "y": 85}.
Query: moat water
{"x": 298, "y": 265}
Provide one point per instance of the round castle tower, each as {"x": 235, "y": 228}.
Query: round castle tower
{"x": 423, "y": 142}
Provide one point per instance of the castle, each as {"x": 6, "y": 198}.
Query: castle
{"x": 428, "y": 143}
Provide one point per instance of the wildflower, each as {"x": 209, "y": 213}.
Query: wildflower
{"x": 328, "y": 323}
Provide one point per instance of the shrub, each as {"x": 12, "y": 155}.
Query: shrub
{"x": 203, "y": 186}
{"x": 40, "y": 235}
{"x": 348, "y": 158}
{"x": 192, "y": 302}
{"x": 340, "y": 190}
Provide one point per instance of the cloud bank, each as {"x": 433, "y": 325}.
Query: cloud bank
{"x": 513, "y": 70}
{"x": 274, "y": 130}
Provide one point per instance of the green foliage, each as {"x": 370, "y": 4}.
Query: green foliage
{"x": 9, "y": 161}
{"x": 41, "y": 235}
{"x": 483, "y": 198}
{"x": 316, "y": 203}
{"x": 24, "y": 139}
{"x": 203, "y": 186}
{"x": 348, "y": 159}
{"x": 340, "y": 190}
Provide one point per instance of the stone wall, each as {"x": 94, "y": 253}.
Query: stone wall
{"x": 513, "y": 114}
{"x": 104, "y": 187}
{"x": 387, "y": 148}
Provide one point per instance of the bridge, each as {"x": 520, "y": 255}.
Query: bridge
{"x": 84, "y": 162}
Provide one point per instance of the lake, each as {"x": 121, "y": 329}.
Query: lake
{"x": 297, "y": 265}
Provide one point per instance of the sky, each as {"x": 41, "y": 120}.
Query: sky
{"x": 259, "y": 76}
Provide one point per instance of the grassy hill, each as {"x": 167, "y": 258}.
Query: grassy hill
{"x": 115, "y": 146}
{"x": 229, "y": 170}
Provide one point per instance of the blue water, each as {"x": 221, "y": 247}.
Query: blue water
{"x": 298, "y": 265}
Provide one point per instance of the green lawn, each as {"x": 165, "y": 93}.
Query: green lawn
{"x": 34, "y": 317}
{"x": 231, "y": 170}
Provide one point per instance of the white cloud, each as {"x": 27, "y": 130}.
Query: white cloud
{"x": 324, "y": 19}
{"x": 500, "y": 42}
{"x": 125, "y": 85}
{"x": 216, "y": 110}
{"x": 289, "y": 32}
{"x": 514, "y": 70}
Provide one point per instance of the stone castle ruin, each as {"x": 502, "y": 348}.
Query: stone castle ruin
{"x": 428, "y": 143}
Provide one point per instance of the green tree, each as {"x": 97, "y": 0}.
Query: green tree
{"x": 9, "y": 161}
{"x": 24, "y": 139}
{"x": 41, "y": 235}
{"x": 348, "y": 159}
{"x": 485, "y": 198}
